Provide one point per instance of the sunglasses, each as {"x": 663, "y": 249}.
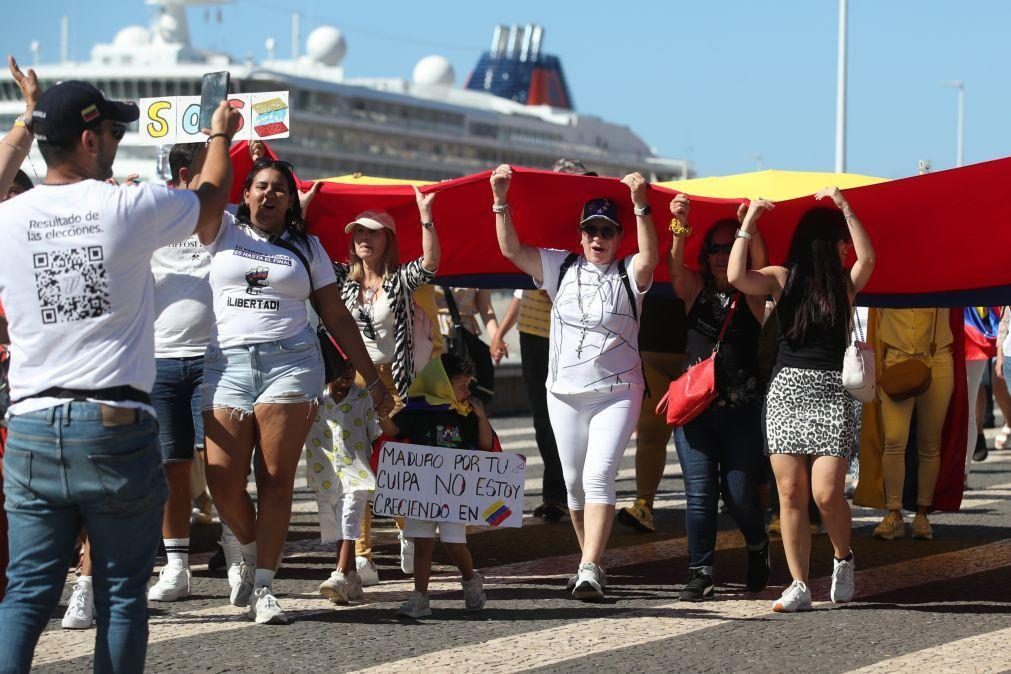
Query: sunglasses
{"x": 715, "y": 248}
{"x": 606, "y": 232}
{"x": 267, "y": 162}
{"x": 370, "y": 329}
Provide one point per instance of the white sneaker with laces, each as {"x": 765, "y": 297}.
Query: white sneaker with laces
{"x": 406, "y": 554}
{"x": 367, "y": 571}
{"x": 473, "y": 592}
{"x": 264, "y": 609}
{"x": 589, "y": 583}
{"x": 416, "y": 606}
{"x": 173, "y": 583}
{"x": 602, "y": 574}
{"x": 843, "y": 587}
{"x": 336, "y": 588}
{"x": 240, "y": 579}
{"x": 354, "y": 586}
{"x": 795, "y": 598}
{"x": 80, "y": 613}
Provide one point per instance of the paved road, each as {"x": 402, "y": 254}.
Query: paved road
{"x": 941, "y": 605}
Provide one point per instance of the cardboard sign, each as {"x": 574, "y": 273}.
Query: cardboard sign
{"x": 176, "y": 119}
{"x": 450, "y": 485}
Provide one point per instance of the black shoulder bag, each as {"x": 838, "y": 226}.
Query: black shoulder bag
{"x": 465, "y": 344}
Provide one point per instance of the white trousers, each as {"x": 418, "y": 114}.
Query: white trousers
{"x": 592, "y": 431}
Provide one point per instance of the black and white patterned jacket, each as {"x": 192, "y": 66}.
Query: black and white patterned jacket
{"x": 399, "y": 287}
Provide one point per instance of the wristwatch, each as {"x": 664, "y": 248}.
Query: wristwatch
{"x": 499, "y": 209}
{"x": 428, "y": 225}
{"x": 645, "y": 210}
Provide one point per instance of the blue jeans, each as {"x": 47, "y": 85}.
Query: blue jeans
{"x": 82, "y": 465}
{"x": 721, "y": 449}
{"x": 176, "y": 398}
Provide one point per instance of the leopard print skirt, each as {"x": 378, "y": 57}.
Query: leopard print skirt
{"x": 809, "y": 412}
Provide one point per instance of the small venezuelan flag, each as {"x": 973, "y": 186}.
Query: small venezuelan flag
{"x": 496, "y": 513}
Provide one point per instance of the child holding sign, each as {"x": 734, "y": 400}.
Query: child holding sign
{"x": 440, "y": 412}
{"x": 337, "y": 452}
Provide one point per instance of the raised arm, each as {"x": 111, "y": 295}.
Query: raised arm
{"x": 686, "y": 282}
{"x": 215, "y": 179}
{"x": 431, "y": 253}
{"x": 862, "y": 269}
{"x": 759, "y": 282}
{"x": 527, "y": 258}
{"x": 339, "y": 322}
{"x": 16, "y": 145}
{"x": 648, "y": 256}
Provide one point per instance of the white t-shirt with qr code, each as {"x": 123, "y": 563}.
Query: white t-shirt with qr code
{"x": 259, "y": 287}
{"x": 76, "y": 283}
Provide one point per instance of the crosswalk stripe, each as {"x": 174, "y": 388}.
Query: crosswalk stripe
{"x": 980, "y": 653}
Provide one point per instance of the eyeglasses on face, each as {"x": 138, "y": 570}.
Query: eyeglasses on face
{"x": 605, "y": 232}
{"x": 715, "y": 248}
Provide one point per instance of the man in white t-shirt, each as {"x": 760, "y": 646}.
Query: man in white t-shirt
{"x": 83, "y": 448}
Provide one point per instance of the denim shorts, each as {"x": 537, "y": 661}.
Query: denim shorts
{"x": 288, "y": 370}
{"x": 176, "y": 398}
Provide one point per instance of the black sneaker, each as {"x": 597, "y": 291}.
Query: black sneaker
{"x": 757, "y": 578}
{"x": 217, "y": 562}
{"x": 981, "y": 452}
{"x": 699, "y": 586}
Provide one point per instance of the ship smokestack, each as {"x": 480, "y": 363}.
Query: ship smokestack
{"x": 535, "y": 42}
{"x": 528, "y": 33}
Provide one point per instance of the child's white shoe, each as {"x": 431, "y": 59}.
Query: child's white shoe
{"x": 416, "y": 606}
{"x": 336, "y": 588}
{"x": 473, "y": 592}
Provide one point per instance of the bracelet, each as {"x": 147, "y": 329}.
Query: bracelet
{"x": 495, "y": 208}
{"x": 679, "y": 229}
{"x": 373, "y": 384}
{"x": 741, "y": 234}
{"x": 219, "y": 135}
{"x": 428, "y": 225}
{"x": 21, "y": 123}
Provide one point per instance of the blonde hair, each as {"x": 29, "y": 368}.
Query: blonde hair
{"x": 391, "y": 258}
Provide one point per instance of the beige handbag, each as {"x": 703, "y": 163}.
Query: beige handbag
{"x": 911, "y": 377}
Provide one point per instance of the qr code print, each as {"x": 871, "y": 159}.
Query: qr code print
{"x": 72, "y": 284}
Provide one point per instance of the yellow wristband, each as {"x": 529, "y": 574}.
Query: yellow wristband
{"x": 679, "y": 229}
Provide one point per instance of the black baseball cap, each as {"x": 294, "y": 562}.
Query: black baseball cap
{"x": 602, "y": 208}
{"x": 64, "y": 110}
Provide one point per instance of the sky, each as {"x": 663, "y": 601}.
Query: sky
{"x": 732, "y": 85}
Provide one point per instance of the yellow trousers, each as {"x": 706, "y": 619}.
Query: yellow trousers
{"x": 653, "y": 432}
{"x": 931, "y": 410}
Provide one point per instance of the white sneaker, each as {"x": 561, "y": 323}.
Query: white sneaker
{"x": 795, "y": 598}
{"x": 473, "y": 592}
{"x": 416, "y": 606}
{"x": 354, "y": 586}
{"x": 843, "y": 586}
{"x": 367, "y": 571}
{"x": 589, "y": 583}
{"x": 173, "y": 583}
{"x": 406, "y": 554}
{"x": 240, "y": 579}
{"x": 601, "y": 575}
{"x": 80, "y": 613}
{"x": 264, "y": 609}
{"x": 336, "y": 588}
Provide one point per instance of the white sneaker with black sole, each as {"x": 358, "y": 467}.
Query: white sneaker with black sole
{"x": 173, "y": 583}
{"x": 589, "y": 583}
{"x": 602, "y": 574}
{"x": 264, "y": 609}
{"x": 240, "y": 579}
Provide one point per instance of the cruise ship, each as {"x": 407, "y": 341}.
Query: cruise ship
{"x": 514, "y": 107}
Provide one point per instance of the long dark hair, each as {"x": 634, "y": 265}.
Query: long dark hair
{"x": 816, "y": 292}
{"x": 294, "y": 223}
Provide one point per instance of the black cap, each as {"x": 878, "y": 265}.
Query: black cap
{"x": 600, "y": 208}
{"x": 65, "y": 110}
{"x": 573, "y": 166}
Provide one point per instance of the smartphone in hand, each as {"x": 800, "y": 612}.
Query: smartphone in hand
{"x": 213, "y": 90}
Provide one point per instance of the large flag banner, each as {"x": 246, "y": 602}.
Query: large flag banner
{"x": 165, "y": 120}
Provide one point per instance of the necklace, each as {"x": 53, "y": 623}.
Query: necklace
{"x": 583, "y": 311}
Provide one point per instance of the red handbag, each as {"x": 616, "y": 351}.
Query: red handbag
{"x": 690, "y": 394}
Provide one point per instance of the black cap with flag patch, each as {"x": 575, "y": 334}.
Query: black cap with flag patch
{"x": 66, "y": 109}
{"x": 602, "y": 208}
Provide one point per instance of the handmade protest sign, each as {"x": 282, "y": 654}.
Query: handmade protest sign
{"x": 166, "y": 120}
{"x": 450, "y": 485}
